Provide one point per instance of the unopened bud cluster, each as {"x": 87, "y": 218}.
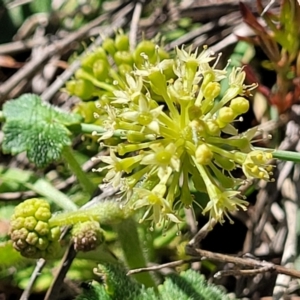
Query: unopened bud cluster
{"x": 175, "y": 129}
{"x": 87, "y": 235}
{"x": 31, "y": 232}
{"x": 35, "y": 234}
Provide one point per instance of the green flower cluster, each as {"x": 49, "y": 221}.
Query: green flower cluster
{"x": 86, "y": 235}
{"x": 175, "y": 129}
{"x": 31, "y": 232}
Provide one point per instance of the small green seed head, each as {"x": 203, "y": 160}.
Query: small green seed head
{"x": 30, "y": 231}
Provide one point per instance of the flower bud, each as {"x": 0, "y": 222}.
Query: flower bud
{"x": 203, "y": 155}
{"x": 100, "y": 69}
{"x": 87, "y": 236}
{"x": 158, "y": 82}
{"x": 213, "y": 128}
{"x": 109, "y": 46}
{"x": 89, "y": 59}
{"x": 124, "y": 69}
{"x": 212, "y": 90}
{"x": 239, "y": 105}
{"x": 135, "y": 137}
{"x": 122, "y": 42}
{"x": 225, "y": 116}
{"x": 70, "y": 86}
{"x": 146, "y": 47}
{"x": 224, "y": 162}
{"x": 83, "y": 89}
{"x": 123, "y": 57}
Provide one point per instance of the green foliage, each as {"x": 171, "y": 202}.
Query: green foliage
{"x": 190, "y": 285}
{"x": 116, "y": 285}
{"x": 37, "y": 128}
{"x": 9, "y": 256}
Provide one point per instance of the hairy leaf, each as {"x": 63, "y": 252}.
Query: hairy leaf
{"x": 37, "y": 128}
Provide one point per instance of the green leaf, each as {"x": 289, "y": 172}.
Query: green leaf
{"x": 10, "y": 257}
{"x": 37, "y": 128}
{"x": 190, "y": 285}
{"x": 38, "y": 6}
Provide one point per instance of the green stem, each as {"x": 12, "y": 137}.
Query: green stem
{"x": 76, "y": 169}
{"x": 91, "y": 128}
{"x": 106, "y": 212}
{"x": 132, "y": 249}
{"x": 166, "y": 238}
{"x": 2, "y": 119}
{"x": 283, "y": 155}
{"x": 85, "y": 75}
{"x": 110, "y": 212}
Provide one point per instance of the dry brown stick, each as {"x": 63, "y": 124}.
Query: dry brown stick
{"x": 245, "y": 262}
{"x": 172, "y": 264}
{"x": 13, "y": 196}
{"x": 252, "y": 272}
{"x": 134, "y": 23}
{"x": 21, "y": 46}
{"x": 68, "y": 73}
{"x": 191, "y": 35}
{"x": 39, "y": 266}
{"x": 54, "y": 290}
{"x": 202, "y": 233}
{"x": 291, "y": 196}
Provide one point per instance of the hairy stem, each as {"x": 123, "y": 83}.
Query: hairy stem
{"x": 106, "y": 212}
{"x": 132, "y": 249}
{"x": 76, "y": 169}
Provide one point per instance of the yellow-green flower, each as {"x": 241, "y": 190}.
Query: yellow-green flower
{"x": 163, "y": 159}
{"x": 171, "y": 118}
{"x": 116, "y": 167}
{"x": 157, "y": 208}
{"x": 222, "y": 203}
{"x": 143, "y": 114}
{"x": 256, "y": 165}
{"x": 131, "y": 92}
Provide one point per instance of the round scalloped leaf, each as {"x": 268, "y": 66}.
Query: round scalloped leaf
{"x": 37, "y": 128}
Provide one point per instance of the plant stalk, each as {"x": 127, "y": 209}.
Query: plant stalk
{"x": 87, "y": 185}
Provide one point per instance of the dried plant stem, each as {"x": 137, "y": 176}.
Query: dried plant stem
{"x": 134, "y": 23}
{"x": 202, "y": 233}
{"x": 172, "y": 264}
{"x": 38, "y": 268}
{"x": 244, "y": 262}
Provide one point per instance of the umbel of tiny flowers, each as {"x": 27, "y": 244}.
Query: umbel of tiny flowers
{"x": 176, "y": 130}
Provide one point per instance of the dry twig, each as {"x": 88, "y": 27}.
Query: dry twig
{"x": 39, "y": 266}
{"x": 135, "y": 23}
{"x": 245, "y": 262}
